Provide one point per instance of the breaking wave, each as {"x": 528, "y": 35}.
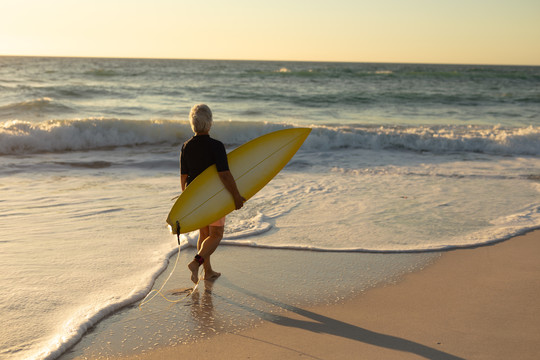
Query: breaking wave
{"x": 21, "y": 137}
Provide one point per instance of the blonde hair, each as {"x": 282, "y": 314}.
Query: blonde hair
{"x": 200, "y": 118}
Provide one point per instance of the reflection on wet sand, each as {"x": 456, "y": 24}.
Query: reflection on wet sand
{"x": 202, "y": 308}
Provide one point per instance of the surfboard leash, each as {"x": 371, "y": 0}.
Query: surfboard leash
{"x": 158, "y": 292}
{"x": 178, "y": 233}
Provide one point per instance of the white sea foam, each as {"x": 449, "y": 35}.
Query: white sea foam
{"x": 413, "y": 207}
{"x": 81, "y": 259}
{"x": 332, "y": 238}
{"x": 439, "y": 139}
{"x": 87, "y": 316}
{"x": 21, "y": 137}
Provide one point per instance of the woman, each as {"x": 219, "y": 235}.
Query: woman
{"x": 198, "y": 153}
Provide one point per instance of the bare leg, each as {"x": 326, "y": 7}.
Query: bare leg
{"x": 204, "y": 233}
{"x": 206, "y": 247}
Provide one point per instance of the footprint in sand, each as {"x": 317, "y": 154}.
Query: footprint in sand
{"x": 178, "y": 292}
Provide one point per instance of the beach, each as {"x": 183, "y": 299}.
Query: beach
{"x": 405, "y": 164}
{"x": 478, "y": 303}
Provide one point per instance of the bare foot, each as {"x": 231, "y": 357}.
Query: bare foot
{"x": 211, "y": 275}
{"x": 194, "y": 268}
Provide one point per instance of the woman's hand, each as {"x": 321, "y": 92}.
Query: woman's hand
{"x": 239, "y": 201}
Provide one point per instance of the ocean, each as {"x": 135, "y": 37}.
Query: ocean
{"x": 402, "y": 158}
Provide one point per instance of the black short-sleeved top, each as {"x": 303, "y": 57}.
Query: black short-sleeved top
{"x": 200, "y": 152}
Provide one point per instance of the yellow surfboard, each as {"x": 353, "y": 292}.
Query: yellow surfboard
{"x": 252, "y": 165}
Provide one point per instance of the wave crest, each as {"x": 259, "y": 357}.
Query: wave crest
{"x": 439, "y": 139}
{"x": 36, "y": 106}
{"x": 20, "y": 137}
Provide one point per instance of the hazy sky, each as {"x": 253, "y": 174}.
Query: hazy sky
{"x": 427, "y": 31}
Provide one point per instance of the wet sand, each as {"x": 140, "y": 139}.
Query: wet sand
{"x": 479, "y": 303}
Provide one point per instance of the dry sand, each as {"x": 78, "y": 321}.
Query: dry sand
{"x": 477, "y": 303}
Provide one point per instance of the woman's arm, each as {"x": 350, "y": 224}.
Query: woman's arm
{"x": 230, "y": 184}
{"x": 183, "y": 181}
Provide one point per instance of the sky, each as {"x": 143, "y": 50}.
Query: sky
{"x": 418, "y": 31}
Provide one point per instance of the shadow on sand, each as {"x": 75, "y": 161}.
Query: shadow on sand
{"x": 322, "y": 324}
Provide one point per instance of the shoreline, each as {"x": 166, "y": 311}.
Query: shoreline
{"x": 477, "y": 303}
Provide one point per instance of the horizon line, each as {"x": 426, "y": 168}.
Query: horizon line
{"x": 265, "y": 60}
